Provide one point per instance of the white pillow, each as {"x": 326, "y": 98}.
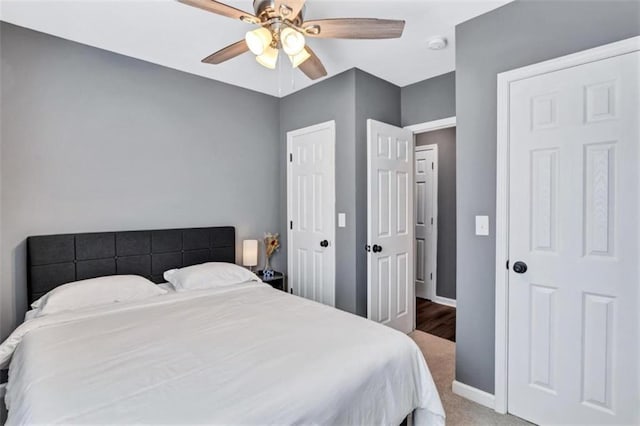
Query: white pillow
{"x": 96, "y": 291}
{"x": 208, "y": 275}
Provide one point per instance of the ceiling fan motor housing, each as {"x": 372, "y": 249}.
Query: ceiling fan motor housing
{"x": 266, "y": 9}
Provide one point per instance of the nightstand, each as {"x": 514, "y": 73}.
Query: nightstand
{"x": 278, "y": 281}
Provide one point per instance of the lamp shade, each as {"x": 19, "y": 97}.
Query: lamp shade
{"x": 250, "y": 252}
{"x": 292, "y": 41}
{"x": 269, "y": 58}
{"x": 296, "y": 60}
{"x": 258, "y": 40}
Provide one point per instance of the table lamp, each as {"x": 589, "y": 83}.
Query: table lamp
{"x": 250, "y": 253}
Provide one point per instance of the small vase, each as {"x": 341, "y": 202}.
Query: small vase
{"x": 267, "y": 265}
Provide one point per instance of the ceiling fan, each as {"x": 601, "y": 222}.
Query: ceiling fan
{"x": 282, "y": 26}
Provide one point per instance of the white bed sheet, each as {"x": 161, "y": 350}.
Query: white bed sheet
{"x": 245, "y": 354}
{"x": 167, "y": 286}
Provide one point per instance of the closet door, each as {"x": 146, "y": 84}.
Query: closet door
{"x": 426, "y": 196}
{"x": 311, "y": 212}
{"x": 574, "y": 243}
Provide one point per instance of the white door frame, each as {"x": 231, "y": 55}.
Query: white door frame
{"x": 430, "y": 126}
{"x": 417, "y": 129}
{"x": 502, "y": 192}
{"x": 434, "y": 238}
{"x": 325, "y": 125}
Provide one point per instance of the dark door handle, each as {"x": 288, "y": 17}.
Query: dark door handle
{"x": 376, "y": 248}
{"x": 324, "y": 243}
{"x": 519, "y": 267}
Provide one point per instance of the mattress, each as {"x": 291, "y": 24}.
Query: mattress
{"x": 243, "y": 354}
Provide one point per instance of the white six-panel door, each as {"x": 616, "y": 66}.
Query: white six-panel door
{"x": 391, "y": 288}
{"x": 426, "y": 195}
{"x": 311, "y": 212}
{"x": 574, "y": 212}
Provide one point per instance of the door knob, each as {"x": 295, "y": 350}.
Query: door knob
{"x": 519, "y": 267}
{"x": 376, "y": 248}
{"x": 324, "y": 243}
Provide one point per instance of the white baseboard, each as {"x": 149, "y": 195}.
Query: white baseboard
{"x": 422, "y": 290}
{"x": 473, "y": 394}
{"x": 445, "y": 301}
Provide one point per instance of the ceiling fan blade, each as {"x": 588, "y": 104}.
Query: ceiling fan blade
{"x": 227, "y": 53}
{"x": 355, "y": 28}
{"x": 291, "y": 8}
{"x": 222, "y": 9}
{"x": 312, "y": 67}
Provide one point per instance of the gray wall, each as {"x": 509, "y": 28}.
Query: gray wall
{"x": 350, "y": 99}
{"x": 515, "y": 35}
{"x": 379, "y": 100}
{"x": 96, "y": 141}
{"x": 429, "y": 100}
{"x": 332, "y": 99}
{"x": 445, "y": 139}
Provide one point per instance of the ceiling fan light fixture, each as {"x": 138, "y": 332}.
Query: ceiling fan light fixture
{"x": 298, "y": 59}
{"x": 269, "y": 58}
{"x": 292, "y": 41}
{"x": 258, "y": 40}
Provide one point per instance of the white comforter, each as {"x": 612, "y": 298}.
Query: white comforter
{"x": 245, "y": 354}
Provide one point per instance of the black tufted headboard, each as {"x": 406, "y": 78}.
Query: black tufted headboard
{"x": 53, "y": 260}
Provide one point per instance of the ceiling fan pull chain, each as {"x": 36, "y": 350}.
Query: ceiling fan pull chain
{"x": 292, "y": 73}
{"x": 279, "y": 76}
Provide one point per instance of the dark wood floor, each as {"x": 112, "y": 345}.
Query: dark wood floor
{"x": 436, "y": 319}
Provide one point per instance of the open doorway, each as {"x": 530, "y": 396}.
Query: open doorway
{"x": 435, "y": 227}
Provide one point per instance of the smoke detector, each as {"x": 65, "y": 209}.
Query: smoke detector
{"x": 437, "y": 43}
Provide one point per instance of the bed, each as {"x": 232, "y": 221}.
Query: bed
{"x": 241, "y": 354}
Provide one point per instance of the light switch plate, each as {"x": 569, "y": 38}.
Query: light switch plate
{"x": 482, "y": 225}
{"x": 342, "y": 220}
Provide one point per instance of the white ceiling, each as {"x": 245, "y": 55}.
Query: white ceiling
{"x": 177, "y": 36}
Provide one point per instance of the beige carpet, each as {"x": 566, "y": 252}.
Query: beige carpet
{"x": 440, "y": 356}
